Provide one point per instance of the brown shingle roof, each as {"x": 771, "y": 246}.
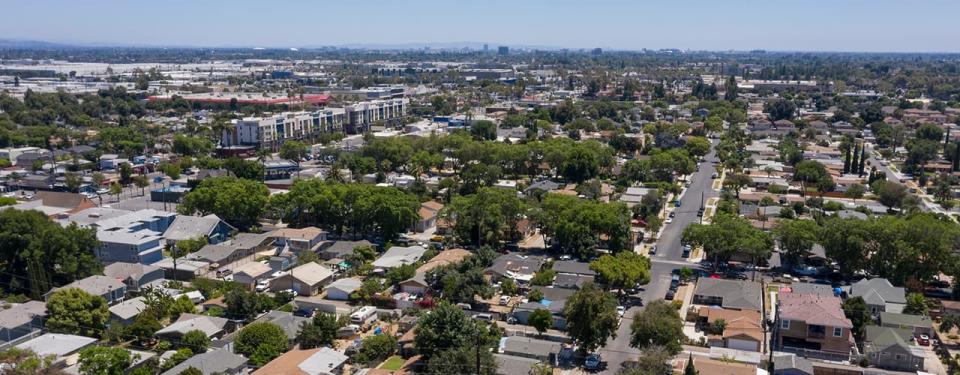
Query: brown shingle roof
{"x": 813, "y": 309}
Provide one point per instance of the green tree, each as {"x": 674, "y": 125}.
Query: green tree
{"x": 192, "y": 370}
{"x": 543, "y": 277}
{"x": 239, "y": 202}
{"x": 102, "y": 360}
{"x": 444, "y": 328}
{"x": 247, "y": 169}
{"x": 855, "y": 192}
{"x": 690, "y": 369}
{"x": 319, "y": 332}
{"x": 780, "y": 109}
{"x": 659, "y": 324}
{"x": 736, "y": 182}
{"x": 76, "y": 312}
{"x": 916, "y": 304}
{"x": 623, "y": 270}
{"x": 261, "y": 342}
{"x": 812, "y": 172}
{"x": 191, "y": 146}
{"x": 293, "y": 151}
{"x": 376, "y": 348}
{"x": 143, "y": 327}
{"x": 116, "y": 189}
{"x": 797, "y": 237}
{"x": 857, "y": 311}
{"x": 461, "y": 359}
{"x": 890, "y": 194}
{"x": 126, "y": 174}
{"x": 196, "y": 341}
{"x": 508, "y": 287}
{"x": 484, "y": 130}
{"x": 591, "y": 316}
{"x": 181, "y": 355}
{"x": 697, "y": 146}
{"x": 541, "y": 320}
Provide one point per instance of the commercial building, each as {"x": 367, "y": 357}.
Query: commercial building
{"x": 272, "y": 131}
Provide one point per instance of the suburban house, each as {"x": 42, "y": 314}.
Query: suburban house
{"x": 879, "y": 295}
{"x": 136, "y": 237}
{"x": 399, "y": 256}
{"x": 570, "y": 267}
{"x": 318, "y": 361}
{"x": 729, "y": 294}
{"x": 743, "y": 328}
{"x": 248, "y": 274}
{"x": 918, "y": 324}
{"x": 429, "y": 211}
{"x": 305, "y": 280}
{"x": 21, "y": 320}
{"x": 527, "y": 347}
{"x": 297, "y": 240}
{"x": 418, "y": 284}
{"x": 213, "y": 327}
{"x": 107, "y": 287}
{"x": 186, "y": 227}
{"x": 134, "y": 275}
{"x": 813, "y": 325}
{"x": 125, "y": 312}
{"x": 286, "y": 321}
{"x": 893, "y": 349}
{"x": 215, "y": 361}
{"x": 341, "y": 289}
{"x": 515, "y": 266}
{"x": 64, "y": 349}
{"x": 342, "y": 249}
{"x": 554, "y": 300}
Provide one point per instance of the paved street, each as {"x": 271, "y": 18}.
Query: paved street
{"x": 668, "y": 257}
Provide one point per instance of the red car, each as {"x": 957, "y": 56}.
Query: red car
{"x": 923, "y": 340}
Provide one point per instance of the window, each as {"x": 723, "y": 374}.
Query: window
{"x": 837, "y": 331}
{"x": 898, "y": 357}
{"x": 785, "y": 324}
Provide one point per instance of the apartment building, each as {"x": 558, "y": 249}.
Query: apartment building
{"x": 361, "y": 116}
{"x": 272, "y": 131}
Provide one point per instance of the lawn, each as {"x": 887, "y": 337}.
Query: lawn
{"x": 393, "y": 363}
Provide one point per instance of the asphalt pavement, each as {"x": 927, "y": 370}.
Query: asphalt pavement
{"x": 618, "y": 352}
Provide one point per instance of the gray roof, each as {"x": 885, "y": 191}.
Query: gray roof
{"x": 323, "y": 361}
{"x": 122, "y": 271}
{"x": 513, "y": 365}
{"x": 57, "y": 344}
{"x": 94, "y": 214}
{"x": 129, "y": 308}
{"x": 905, "y": 320}
{"x": 545, "y": 185}
{"x": 210, "y": 325}
{"x": 214, "y": 361}
{"x": 20, "y": 314}
{"x": 342, "y": 248}
{"x": 347, "y": 285}
{"x": 790, "y": 361}
{"x": 399, "y": 255}
{"x": 516, "y": 264}
{"x": 186, "y": 227}
{"x": 96, "y": 285}
{"x": 878, "y": 338}
{"x": 214, "y": 253}
{"x": 248, "y": 240}
{"x": 529, "y": 346}
{"x": 566, "y": 280}
{"x": 878, "y": 291}
{"x": 569, "y": 266}
{"x": 311, "y": 273}
{"x": 287, "y": 321}
{"x": 736, "y": 294}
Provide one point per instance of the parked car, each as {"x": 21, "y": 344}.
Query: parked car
{"x": 504, "y": 300}
{"x": 304, "y": 312}
{"x": 673, "y": 213}
{"x": 262, "y": 286}
{"x": 669, "y": 220}
{"x": 714, "y": 175}
{"x": 923, "y": 340}
{"x": 653, "y": 250}
{"x": 593, "y": 362}
{"x": 670, "y": 295}
{"x": 621, "y": 310}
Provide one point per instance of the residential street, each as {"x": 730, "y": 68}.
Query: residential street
{"x": 668, "y": 257}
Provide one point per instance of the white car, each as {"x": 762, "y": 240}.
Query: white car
{"x": 262, "y": 286}
{"x": 669, "y": 220}
{"x": 504, "y": 300}
{"x": 621, "y": 310}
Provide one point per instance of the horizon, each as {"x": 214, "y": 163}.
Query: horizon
{"x": 856, "y": 26}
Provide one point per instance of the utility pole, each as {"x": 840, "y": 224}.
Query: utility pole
{"x": 477, "y": 347}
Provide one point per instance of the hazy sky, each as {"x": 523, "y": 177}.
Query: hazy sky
{"x": 811, "y": 25}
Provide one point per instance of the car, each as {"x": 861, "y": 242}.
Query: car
{"x": 670, "y": 295}
{"x": 700, "y": 213}
{"x": 566, "y": 257}
{"x": 621, "y": 310}
{"x": 923, "y": 340}
{"x": 593, "y": 362}
{"x": 714, "y": 175}
{"x": 304, "y": 312}
{"x": 262, "y": 286}
{"x": 653, "y": 250}
{"x": 686, "y": 253}
{"x": 673, "y": 213}
{"x": 669, "y": 220}
{"x": 676, "y": 203}
{"x": 504, "y": 300}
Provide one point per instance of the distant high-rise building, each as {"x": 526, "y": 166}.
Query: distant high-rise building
{"x": 486, "y": 47}
{"x": 503, "y": 50}
{"x": 597, "y": 51}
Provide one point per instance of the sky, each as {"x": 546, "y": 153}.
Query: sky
{"x": 774, "y": 25}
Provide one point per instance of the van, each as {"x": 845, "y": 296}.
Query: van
{"x": 363, "y": 315}
{"x": 484, "y": 317}
{"x": 348, "y": 331}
